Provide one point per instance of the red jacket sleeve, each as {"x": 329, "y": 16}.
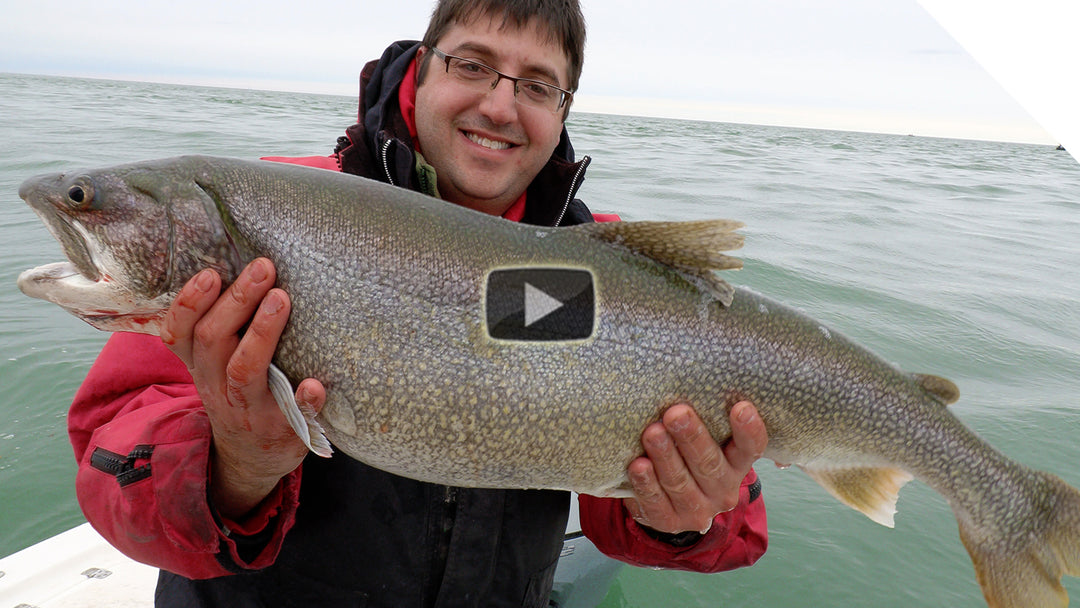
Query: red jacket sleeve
{"x": 737, "y": 538}
{"x": 330, "y": 163}
{"x": 142, "y": 441}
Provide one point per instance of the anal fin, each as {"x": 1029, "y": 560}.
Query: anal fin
{"x": 872, "y": 491}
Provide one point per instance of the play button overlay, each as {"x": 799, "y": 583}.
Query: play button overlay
{"x": 540, "y": 304}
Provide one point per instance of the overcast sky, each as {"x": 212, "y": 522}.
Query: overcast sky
{"x": 877, "y": 65}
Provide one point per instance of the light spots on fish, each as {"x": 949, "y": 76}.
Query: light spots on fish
{"x": 762, "y": 308}
{"x": 825, "y": 332}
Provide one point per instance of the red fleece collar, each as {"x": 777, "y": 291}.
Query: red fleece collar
{"x": 407, "y": 102}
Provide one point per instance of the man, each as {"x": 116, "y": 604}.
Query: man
{"x": 187, "y": 464}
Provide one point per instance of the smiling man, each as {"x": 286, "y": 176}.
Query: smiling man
{"x": 229, "y": 504}
{"x": 487, "y": 145}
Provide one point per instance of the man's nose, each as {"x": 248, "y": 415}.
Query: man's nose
{"x": 500, "y": 103}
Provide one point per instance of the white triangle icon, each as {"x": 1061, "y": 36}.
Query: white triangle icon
{"x": 538, "y": 304}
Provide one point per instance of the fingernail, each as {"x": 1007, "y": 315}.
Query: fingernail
{"x": 680, "y": 422}
{"x": 660, "y": 442}
{"x": 258, "y": 271}
{"x": 745, "y": 414}
{"x": 204, "y": 280}
{"x": 272, "y": 303}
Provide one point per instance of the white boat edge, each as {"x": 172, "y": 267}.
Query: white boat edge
{"x": 80, "y": 569}
{"x": 75, "y": 569}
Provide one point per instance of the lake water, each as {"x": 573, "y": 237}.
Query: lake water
{"x": 956, "y": 258}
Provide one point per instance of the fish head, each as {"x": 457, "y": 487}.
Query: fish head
{"x": 132, "y": 235}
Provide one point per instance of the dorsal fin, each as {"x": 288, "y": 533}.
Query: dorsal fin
{"x": 693, "y": 248}
{"x": 940, "y": 388}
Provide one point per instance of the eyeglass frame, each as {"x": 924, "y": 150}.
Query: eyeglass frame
{"x": 564, "y": 101}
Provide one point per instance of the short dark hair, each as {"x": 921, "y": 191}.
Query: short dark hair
{"x": 563, "y": 20}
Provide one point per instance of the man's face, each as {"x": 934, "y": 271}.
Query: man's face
{"x": 487, "y": 148}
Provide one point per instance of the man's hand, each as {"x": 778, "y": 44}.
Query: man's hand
{"x": 685, "y": 478}
{"x": 253, "y": 446}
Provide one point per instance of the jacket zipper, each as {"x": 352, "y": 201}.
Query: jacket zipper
{"x": 123, "y": 467}
{"x": 386, "y": 161}
{"x": 573, "y": 188}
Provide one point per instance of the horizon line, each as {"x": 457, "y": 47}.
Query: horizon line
{"x": 854, "y": 120}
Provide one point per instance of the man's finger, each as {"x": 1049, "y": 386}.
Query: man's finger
{"x": 672, "y": 473}
{"x": 247, "y": 368}
{"x": 748, "y": 438}
{"x": 215, "y": 334}
{"x": 701, "y": 453}
{"x": 311, "y": 393}
{"x": 651, "y": 502}
{"x": 193, "y": 301}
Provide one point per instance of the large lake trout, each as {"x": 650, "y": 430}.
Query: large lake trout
{"x": 467, "y": 350}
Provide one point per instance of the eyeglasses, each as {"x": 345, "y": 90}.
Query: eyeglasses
{"x": 527, "y": 91}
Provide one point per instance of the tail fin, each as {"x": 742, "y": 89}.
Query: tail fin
{"x": 1023, "y": 565}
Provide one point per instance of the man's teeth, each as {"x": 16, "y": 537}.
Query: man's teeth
{"x": 487, "y": 143}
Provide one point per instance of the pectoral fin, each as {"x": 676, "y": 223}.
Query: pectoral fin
{"x": 871, "y": 491}
{"x": 302, "y": 420}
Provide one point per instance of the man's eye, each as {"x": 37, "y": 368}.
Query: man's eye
{"x": 472, "y": 69}
{"x": 538, "y": 91}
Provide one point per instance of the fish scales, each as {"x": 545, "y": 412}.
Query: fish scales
{"x": 388, "y": 312}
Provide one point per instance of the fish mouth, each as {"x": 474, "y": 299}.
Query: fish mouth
{"x": 93, "y": 296}
{"x": 79, "y": 269}
{"x": 102, "y": 280}
{"x": 77, "y": 284}
{"x": 74, "y": 238}
{"x": 75, "y": 242}
{"x": 44, "y": 280}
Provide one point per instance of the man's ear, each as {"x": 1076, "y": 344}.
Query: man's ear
{"x": 421, "y": 64}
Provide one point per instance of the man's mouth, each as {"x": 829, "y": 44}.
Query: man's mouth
{"x": 488, "y": 143}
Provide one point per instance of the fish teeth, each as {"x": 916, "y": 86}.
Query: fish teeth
{"x": 487, "y": 143}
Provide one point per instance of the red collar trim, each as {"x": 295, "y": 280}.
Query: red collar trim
{"x": 516, "y": 211}
{"x": 407, "y": 99}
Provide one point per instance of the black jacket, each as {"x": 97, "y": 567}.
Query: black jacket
{"x": 364, "y": 537}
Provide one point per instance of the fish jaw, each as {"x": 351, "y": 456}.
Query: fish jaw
{"x": 94, "y": 283}
{"x": 133, "y": 235}
{"x": 101, "y": 302}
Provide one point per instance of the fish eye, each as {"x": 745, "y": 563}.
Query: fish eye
{"x": 81, "y": 194}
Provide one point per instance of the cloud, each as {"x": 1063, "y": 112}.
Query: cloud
{"x": 789, "y": 57}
